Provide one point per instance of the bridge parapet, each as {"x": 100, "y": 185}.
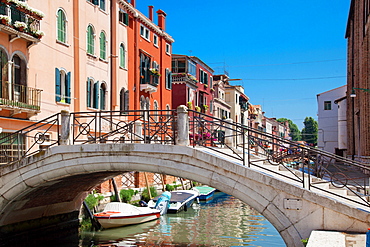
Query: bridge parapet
{"x": 307, "y": 166}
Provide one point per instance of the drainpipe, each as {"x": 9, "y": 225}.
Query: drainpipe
{"x": 136, "y": 58}
{"x": 113, "y": 55}
{"x": 353, "y": 85}
{"x": 76, "y": 55}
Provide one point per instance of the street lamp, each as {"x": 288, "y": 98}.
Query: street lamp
{"x": 353, "y": 94}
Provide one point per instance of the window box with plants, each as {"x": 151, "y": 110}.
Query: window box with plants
{"x": 21, "y": 26}
{"x": 5, "y": 20}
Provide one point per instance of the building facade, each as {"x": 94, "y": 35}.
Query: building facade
{"x": 328, "y": 120}
{"x": 192, "y": 83}
{"x": 358, "y": 81}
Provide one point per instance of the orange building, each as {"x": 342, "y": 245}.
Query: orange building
{"x": 149, "y": 57}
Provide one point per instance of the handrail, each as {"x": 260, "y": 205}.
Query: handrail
{"x": 312, "y": 168}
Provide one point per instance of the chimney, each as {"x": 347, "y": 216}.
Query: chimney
{"x": 151, "y": 13}
{"x": 161, "y": 19}
{"x": 133, "y": 3}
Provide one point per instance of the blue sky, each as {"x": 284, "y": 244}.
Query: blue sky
{"x": 285, "y": 51}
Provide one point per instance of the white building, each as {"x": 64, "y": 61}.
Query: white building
{"x": 332, "y": 120}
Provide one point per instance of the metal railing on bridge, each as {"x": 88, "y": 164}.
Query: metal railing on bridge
{"x": 308, "y": 166}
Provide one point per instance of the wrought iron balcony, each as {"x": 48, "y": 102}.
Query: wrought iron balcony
{"x": 20, "y": 21}
{"x": 18, "y": 98}
{"x": 184, "y": 77}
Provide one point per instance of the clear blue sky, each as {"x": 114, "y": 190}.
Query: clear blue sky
{"x": 274, "y": 46}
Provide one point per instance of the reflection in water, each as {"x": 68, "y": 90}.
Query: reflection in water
{"x": 225, "y": 221}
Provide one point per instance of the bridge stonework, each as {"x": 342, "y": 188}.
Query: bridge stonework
{"x": 56, "y": 182}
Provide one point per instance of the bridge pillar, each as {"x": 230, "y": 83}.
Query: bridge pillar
{"x": 65, "y": 127}
{"x": 229, "y": 138}
{"x": 138, "y": 131}
{"x": 182, "y": 126}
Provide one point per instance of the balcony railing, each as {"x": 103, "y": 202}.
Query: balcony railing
{"x": 184, "y": 77}
{"x": 25, "y": 20}
{"x": 19, "y": 96}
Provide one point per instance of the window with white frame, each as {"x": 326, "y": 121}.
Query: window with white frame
{"x": 62, "y": 86}
{"x": 123, "y": 17}
{"x": 155, "y": 40}
{"x": 168, "y": 48}
{"x": 122, "y": 56}
{"x": 103, "y": 46}
{"x": 144, "y": 32}
{"x": 203, "y": 77}
{"x": 90, "y": 40}
{"x": 168, "y": 79}
{"x": 61, "y": 26}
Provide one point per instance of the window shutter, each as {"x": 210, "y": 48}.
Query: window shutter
{"x": 125, "y": 18}
{"x": 68, "y": 88}
{"x": 96, "y": 95}
{"x": 170, "y": 75}
{"x": 57, "y": 85}
{"x": 88, "y": 93}
{"x": 127, "y": 102}
{"x": 96, "y": 2}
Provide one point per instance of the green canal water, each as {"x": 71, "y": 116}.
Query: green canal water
{"x": 223, "y": 221}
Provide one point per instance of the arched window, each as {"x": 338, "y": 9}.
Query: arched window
{"x": 3, "y": 70}
{"x": 124, "y": 100}
{"x": 168, "y": 79}
{"x": 103, "y": 46}
{"x": 90, "y": 94}
{"x": 156, "y": 117}
{"x": 62, "y": 86}
{"x": 102, "y": 96}
{"x": 61, "y": 26}
{"x": 90, "y": 40}
{"x": 122, "y": 56}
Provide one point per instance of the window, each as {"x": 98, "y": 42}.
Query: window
{"x": 168, "y": 79}
{"x": 124, "y": 101}
{"x": 144, "y": 32}
{"x": 168, "y": 48}
{"x": 155, "y": 40}
{"x": 61, "y": 26}
{"x": 156, "y": 111}
{"x": 144, "y": 69}
{"x": 123, "y": 17}
{"x": 327, "y": 105}
{"x": 192, "y": 69}
{"x": 62, "y": 86}
{"x": 103, "y": 46}
{"x": 155, "y": 73}
{"x": 122, "y": 56}
{"x": 102, "y": 4}
{"x": 89, "y": 92}
{"x": 90, "y": 40}
{"x": 203, "y": 77}
{"x": 102, "y": 96}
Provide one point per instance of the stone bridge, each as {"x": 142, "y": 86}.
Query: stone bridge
{"x": 56, "y": 181}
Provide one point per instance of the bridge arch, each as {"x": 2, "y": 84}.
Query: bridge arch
{"x": 34, "y": 187}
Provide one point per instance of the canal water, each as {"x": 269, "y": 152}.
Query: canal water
{"x": 223, "y": 221}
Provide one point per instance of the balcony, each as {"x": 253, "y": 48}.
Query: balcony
{"x": 150, "y": 85}
{"x": 20, "y": 21}
{"x": 184, "y": 78}
{"x": 18, "y": 99}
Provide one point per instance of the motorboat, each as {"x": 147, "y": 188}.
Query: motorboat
{"x": 205, "y": 192}
{"x": 116, "y": 214}
{"x": 180, "y": 200}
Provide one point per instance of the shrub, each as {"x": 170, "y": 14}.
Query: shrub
{"x": 145, "y": 194}
{"x": 170, "y": 187}
{"x": 92, "y": 200}
{"x": 126, "y": 195}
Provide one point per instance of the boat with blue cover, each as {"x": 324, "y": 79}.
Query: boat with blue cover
{"x": 205, "y": 192}
{"x": 180, "y": 200}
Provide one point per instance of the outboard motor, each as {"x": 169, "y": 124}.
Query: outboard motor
{"x": 163, "y": 202}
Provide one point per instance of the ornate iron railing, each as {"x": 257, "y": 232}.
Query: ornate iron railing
{"x": 312, "y": 168}
{"x": 146, "y": 126}
{"x": 30, "y": 140}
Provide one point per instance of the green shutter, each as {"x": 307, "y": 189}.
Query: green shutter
{"x": 96, "y": 95}
{"x": 88, "y": 93}
{"x": 102, "y": 46}
{"x": 57, "y": 85}
{"x": 127, "y": 102}
{"x": 68, "y": 88}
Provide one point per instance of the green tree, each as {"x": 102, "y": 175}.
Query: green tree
{"x": 294, "y": 131}
{"x": 309, "y": 132}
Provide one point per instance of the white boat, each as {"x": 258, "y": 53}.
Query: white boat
{"x": 180, "y": 200}
{"x": 116, "y": 214}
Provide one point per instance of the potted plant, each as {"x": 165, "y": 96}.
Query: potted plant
{"x": 21, "y": 26}
{"x": 155, "y": 72}
{"x": 190, "y": 105}
{"x": 4, "y": 19}
{"x": 197, "y": 108}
